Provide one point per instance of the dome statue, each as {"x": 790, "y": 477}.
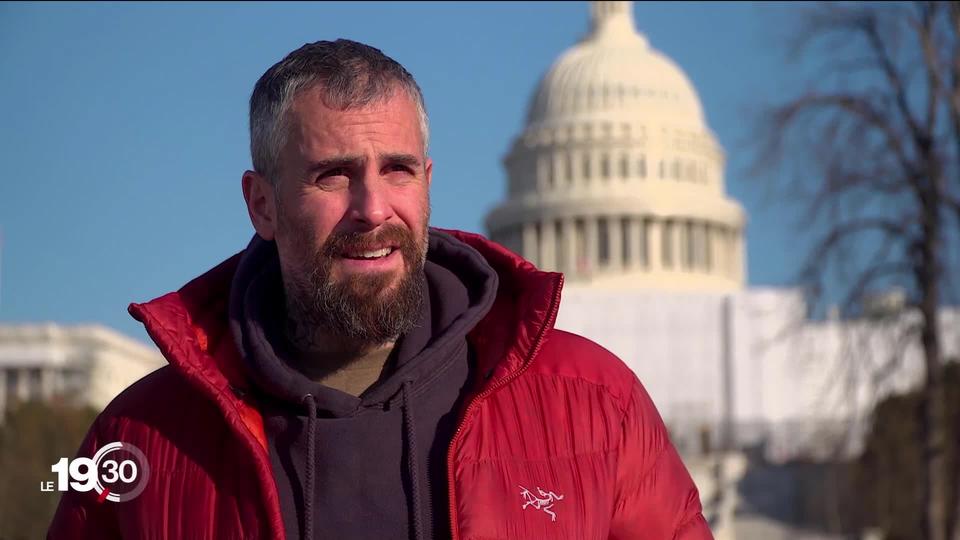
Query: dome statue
{"x": 616, "y": 179}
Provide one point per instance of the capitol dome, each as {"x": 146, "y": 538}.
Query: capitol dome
{"x": 614, "y": 71}
{"x": 616, "y": 179}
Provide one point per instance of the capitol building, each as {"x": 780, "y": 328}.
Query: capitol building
{"x": 88, "y": 364}
{"x": 617, "y": 180}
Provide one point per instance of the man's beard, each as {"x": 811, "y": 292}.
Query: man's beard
{"x": 361, "y": 311}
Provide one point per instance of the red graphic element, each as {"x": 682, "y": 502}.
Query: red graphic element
{"x": 103, "y": 496}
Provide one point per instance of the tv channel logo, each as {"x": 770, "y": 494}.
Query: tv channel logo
{"x": 118, "y": 472}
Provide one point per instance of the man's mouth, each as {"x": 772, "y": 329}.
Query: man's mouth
{"x": 369, "y": 254}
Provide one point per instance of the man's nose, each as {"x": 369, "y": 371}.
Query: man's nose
{"x": 369, "y": 202}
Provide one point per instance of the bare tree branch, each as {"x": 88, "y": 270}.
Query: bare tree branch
{"x": 883, "y": 161}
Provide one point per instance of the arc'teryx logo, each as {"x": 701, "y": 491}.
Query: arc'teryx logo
{"x": 544, "y": 502}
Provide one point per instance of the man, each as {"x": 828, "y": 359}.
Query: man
{"x": 354, "y": 373}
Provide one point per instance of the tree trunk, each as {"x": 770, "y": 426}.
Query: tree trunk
{"x": 934, "y": 402}
{"x": 954, "y": 519}
{"x": 934, "y": 428}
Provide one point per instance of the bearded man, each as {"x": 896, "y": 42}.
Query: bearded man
{"x": 354, "y": 373}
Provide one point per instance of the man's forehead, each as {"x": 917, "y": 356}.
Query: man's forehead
{"x": 313, "y": 125}
{"x": 317, "y": 97}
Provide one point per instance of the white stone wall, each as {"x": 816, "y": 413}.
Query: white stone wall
{"x": 88, "y": 363}
{"x": 751, "y": 360}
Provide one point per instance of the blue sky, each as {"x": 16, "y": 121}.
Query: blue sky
{"x": 124, "y": 128}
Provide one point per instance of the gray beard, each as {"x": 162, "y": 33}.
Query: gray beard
{"x": 354, "y": 315}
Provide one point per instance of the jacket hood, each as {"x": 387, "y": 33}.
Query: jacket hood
{"x": 190, "y": 327}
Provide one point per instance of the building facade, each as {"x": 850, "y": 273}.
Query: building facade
{"x": 87, "y": 364}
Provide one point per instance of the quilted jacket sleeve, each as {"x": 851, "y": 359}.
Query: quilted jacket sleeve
{"x": 655, "y": 497}
{"x": 80, "y": 515}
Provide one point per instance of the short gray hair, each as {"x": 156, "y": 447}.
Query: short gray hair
{"x": 350, "y": 74}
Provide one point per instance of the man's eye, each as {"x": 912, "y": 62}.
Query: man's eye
{"x": 339, "y": 171}
{"x": 399, "y": 168}
{"x": 332, "y": 177}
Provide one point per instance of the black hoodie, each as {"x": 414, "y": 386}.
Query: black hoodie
{"x": 369, "y": 466}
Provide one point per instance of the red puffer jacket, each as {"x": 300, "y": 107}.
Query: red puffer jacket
{"x": 560, "y": 441}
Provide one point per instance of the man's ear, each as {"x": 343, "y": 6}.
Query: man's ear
{"x": 259, "y": 194}
{"x": 428, "y": 171}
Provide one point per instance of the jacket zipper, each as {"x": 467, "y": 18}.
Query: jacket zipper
{"x": 554, "y": 308}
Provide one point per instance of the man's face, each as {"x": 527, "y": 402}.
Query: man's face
{"x": 352, "y": 209}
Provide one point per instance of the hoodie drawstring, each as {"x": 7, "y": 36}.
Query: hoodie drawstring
{"x": 311, "y": 459}
{"x": 412, "y": 464}
{"x": 412, "y": 467}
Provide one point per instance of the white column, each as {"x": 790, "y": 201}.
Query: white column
{"x": 46, "y": 383}
{"x": 711, "y": 249}
{"x": 569, "y": 264}
{"x": 529, "y": 244}
{"x": 669, "y": 234}
{"x": 699, "y": 244}
{"x": 576, "y": 176}
{"x": 731, "y": 254}
{"x": 679, "y": 229}
{"x": 739, "y": 255}
{"x": 23, "y": 384}
{"x": 635, "y": 241}
{"x": 654, "y": 262}
{"x": 691, "y": 232}
{"x": 543, "y": 171}
{"x": 718, "y": 250}
{"x": 706, "y": 230}
{"x": 615, "y": 237}
{"x": 558, "y": 172}
{"x": 727, "y": 249}
{"x": 588, "y": 168}
{"x": 591, "y": 238}
{"x": 548, "y": 245}
{"x": 676, "y": 232}
{"x": 627, "y": 250}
